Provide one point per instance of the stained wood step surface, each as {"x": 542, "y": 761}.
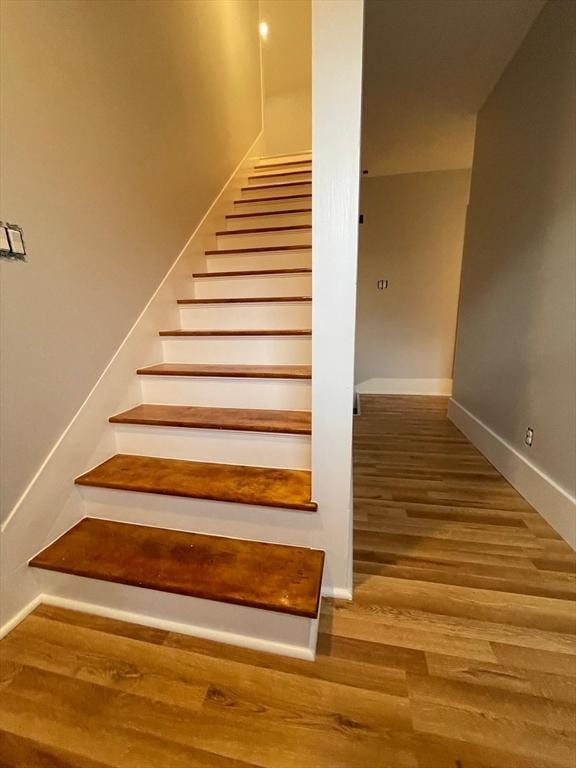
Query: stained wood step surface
{"x": 241, "y": 419}
{"x": 249, "y": 573}
{"x": 248, "y": 300}
{"x": 267, "y": 213}
{"x": 243, "y": 332}
{"x": 304, "y": 172}
{"x": 266, "y": 166}
{"x": 258, "y": 249}
{"x": 264, "y": 230}
{"x": 276, "y": 185}
{"x": 229, "y": 371}
{"x": 274, "y": 199}
{"x": 255, "y": 272}
{"x": 262, "y": 486}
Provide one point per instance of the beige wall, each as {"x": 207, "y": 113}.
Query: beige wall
{"x": 412, "y": 235}
{"x": 287, "y": 67}
{"x": 516, "y": 349}
{"x": 121, "y": 121}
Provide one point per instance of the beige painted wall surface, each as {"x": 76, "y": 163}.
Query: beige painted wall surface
{"x": 287, "y": 67}
{"x": 121, "y": 121}
{"x": 516, "y": 348}
{"x": 412, "y": 235}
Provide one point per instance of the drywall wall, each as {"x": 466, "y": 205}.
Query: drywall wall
{"x": 412, "y": 236}
{"x": 120, "y": 124}
{"x": 515, "y": 363}
{"x": 287, "y": 76}
{"x": 337, "y": 50}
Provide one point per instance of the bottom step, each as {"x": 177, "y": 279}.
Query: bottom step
{"x": 247, "y": 573}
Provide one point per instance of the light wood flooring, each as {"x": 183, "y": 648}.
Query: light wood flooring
{"x": 458, "y": 651}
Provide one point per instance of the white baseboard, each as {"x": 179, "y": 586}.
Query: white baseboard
{"x": 404, "y": 387}
{"x": 337, "y": 593}
{"x": 555, "y": 504}
{"x": 20, "y": 616}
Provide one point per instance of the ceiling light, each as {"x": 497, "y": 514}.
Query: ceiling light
{"x": 263, "y": 30}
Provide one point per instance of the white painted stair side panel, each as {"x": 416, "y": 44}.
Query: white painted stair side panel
{"x": 271, "y": 219}
{"x": 276, "y": 190}
{"x": 265, "y": 239}
{"x": 213, "y": 392}
{"x": 238, "y": 350}
{"x": 259, "y": 260}
{"x": 266, "y": 315}
{"x": 238, "y": 625}
{"x": 297, "y": 284}
{"x": 223, "y": 446}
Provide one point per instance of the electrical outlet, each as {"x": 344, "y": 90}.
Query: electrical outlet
{"x": 382, "y": 284}
{"x": 529, "y": 437}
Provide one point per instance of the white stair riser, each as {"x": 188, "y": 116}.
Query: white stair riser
{"x": 300, "y": 188}
{"x": 222, "y": 446}
{"x": 212, "y": 392}
{"x": 247, "y": 206}
{"x": 274, "y": 220}
{"x": 238, "y": 625}
{"x": 265, "y": 172}
{"x": 265, "y": 239}
{"x": 263, "y": 161}
{"x": 229, "y": 350}
{"x": 219, "y": 518}
{"x": 246, "y": 316}
{"x": 299, "y": 284}
{"x": 279, "y": 176}
{"x": 258, "y": 260}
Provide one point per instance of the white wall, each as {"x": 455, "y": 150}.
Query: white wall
{"x": 287, "y": 76}
{"x": 412, "y": 236}
{"x": 121, "y": 121}
{"x": 515, "y": 361}
{"x": 337, "y": 84}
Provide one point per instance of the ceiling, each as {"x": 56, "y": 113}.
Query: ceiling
{"x": 429, "y": 65}
{"x": 287, "y": 53}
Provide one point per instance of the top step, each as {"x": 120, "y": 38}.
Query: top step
{"x": 254, "y": 574}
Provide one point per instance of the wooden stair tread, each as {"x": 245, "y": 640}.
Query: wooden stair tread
{"x": 275, "y": 174}
{"x": 265, "y": 166}
{"x": 240, "y": 419}
{"x": 261, "y": 486}
{"x": 274, "y": 199}
{"x": 248, "y": 300}
{"x": 273, "y": 577}
{"x": 258, "y": 249}
{"x": 267, "y": 213}
{"x": 277, "y": 185}
{"x": 229, "y": 371}
{"x": 248, "y": 272}
{"x": 242, "y": 332}
{"x": 264, "y": 230}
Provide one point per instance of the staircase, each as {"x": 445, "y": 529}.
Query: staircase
{"x": 220, "y": 442}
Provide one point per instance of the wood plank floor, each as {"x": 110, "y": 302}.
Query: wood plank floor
{"x": 458, "y": 651}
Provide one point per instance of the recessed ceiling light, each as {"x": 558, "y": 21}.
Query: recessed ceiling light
{"x": 263, "y": 30}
